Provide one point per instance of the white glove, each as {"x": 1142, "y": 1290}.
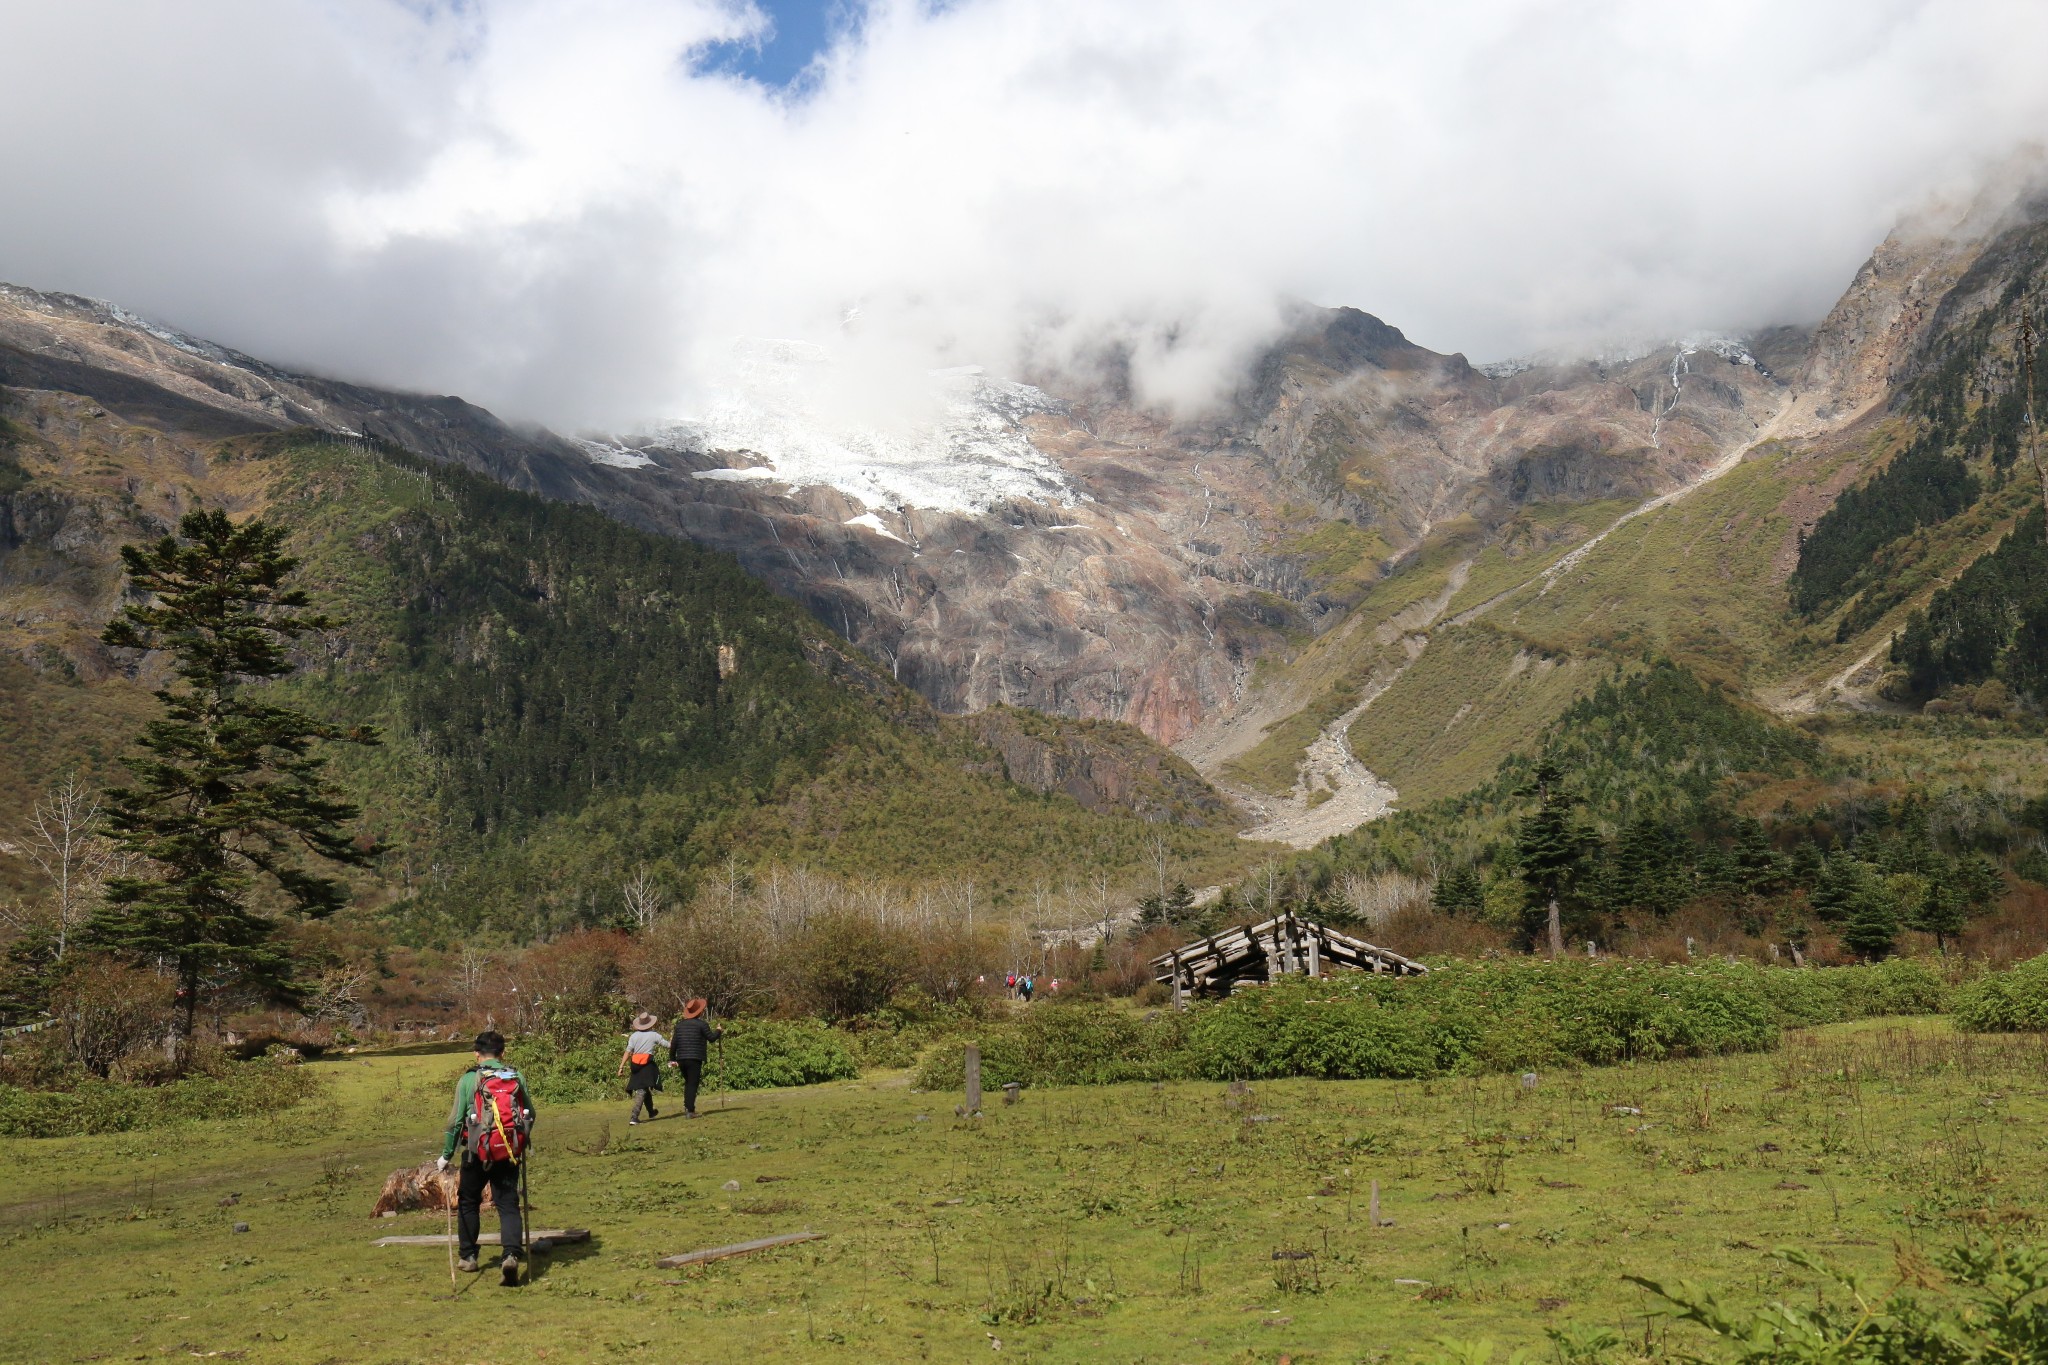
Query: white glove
{"x": 440, "y": 1163}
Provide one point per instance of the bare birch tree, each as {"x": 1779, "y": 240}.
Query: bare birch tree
{"x": 66, "y": 847}
{"x": 643, "y": 898}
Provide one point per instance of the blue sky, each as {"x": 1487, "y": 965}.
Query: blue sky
{"x": 802, "y": 29}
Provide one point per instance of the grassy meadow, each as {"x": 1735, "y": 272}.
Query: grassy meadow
{"x": 1133, "y": 1222}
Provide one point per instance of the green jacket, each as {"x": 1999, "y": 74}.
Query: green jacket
{"x": 465, "y": 1096}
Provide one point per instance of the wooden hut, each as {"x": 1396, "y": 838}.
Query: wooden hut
{"x": 1283, "y": 946}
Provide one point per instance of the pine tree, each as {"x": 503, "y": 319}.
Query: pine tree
{"x": 228, "y": 791}
{"x": 1943, "y": 910}
{"x": 1759, "y": 870}
{"x": 1549, "y": 847}
{"x": 1179, "y": 907}
{"x": 1805, "y": 867}
{"x": 1836, "y": 888}
{"x": 1873, "y": 920}
{"x": 1459, "y": 891}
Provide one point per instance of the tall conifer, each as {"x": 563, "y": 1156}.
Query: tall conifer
{"x": 1549, "y": 845}
{"x": 229, "y": 796}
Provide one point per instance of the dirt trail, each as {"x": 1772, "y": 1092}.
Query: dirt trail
{"x": 1355, "y": 794}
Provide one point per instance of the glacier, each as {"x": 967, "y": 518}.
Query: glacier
{"x": 964, "y": 447}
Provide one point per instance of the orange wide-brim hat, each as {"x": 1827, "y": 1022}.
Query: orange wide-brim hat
{"x": 693, "y": 1008}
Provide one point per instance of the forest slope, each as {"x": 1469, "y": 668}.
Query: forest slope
{"x": 563, "y": 697}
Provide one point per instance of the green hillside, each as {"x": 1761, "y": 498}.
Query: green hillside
{"x": 550, "y": 689}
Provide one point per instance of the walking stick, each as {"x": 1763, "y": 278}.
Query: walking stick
{"x": 448, "y": 1205}
{"x": 722, "y": 1081}
{"x": 525, "y": 1207}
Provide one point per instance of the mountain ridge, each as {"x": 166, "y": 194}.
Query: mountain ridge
{"x": 1258, "y": 586}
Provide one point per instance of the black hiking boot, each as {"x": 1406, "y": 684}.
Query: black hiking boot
{"x": 509, "y": 1272}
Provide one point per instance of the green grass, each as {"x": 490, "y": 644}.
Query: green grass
{"x": 1935, "y": 752}
{"x": 1119, "y": 1223}
{"x": 1538, "y": 536}
{"x": 1343, "y": 560}
{"x": 1474, "y": 696}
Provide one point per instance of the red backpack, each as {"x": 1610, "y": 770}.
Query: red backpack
{"x": 497, "y": 1123}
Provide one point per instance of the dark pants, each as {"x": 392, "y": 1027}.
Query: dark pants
{"x": 693, "y": 1077}
{"x": 641, "y": 1098}
{"x": 503, "y": 1178}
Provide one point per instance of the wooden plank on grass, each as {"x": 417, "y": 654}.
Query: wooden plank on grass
{"x": 737, "y": 1249}
{"x": 441, "y": 1239}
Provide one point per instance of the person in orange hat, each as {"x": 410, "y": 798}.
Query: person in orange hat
{"x": 689, "y": 1046}
{"x": 646, "y": 1074}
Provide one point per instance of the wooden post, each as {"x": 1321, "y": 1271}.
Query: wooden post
{"x": 1372, "y": 1208}
{"x": 973, "y": 1080}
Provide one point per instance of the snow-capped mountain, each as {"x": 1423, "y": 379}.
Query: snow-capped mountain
{"x": 960, "y": 445}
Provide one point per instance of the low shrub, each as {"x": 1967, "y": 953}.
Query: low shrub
{"x": 761, "y": 1054}
{"x": 909, "y": 1025}
{"x": 1832, "y": 995}
{"x": 1076, "y": 1042}
{"x": 1494, "y": 1016}
{"x": 95, "y": 1106}
{"x": 1308, "y": 1029}
{"x": 2015, "y": 1001}
{"x": 1985, "y": 1305}
{"x": 1463, "y": 1017}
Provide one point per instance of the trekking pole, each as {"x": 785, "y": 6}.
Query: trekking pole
{"x": 448, "y": 1206}
{"x": 724, "y": 1080}
{"x": 525, "y": 1208}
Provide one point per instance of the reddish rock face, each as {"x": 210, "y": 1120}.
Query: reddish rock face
{"x": 1194, "y": 549}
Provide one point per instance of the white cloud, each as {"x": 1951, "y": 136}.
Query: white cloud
{"x": 539, "y": 205}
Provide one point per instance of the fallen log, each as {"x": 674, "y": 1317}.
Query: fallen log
{"x": 537, "y": 1241}
{"x": 737, "y": 1249}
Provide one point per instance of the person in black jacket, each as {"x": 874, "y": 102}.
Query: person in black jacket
{"x": 689, "y": 1045}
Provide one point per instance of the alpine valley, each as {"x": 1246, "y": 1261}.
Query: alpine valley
{"x": 1362, "y": 583}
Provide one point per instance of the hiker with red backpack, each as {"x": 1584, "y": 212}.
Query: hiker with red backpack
{"x": 491, "y": 1119}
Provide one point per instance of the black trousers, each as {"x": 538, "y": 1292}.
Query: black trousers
{"x": 503, "y": 1178}
{"x": 693, "y": 1077}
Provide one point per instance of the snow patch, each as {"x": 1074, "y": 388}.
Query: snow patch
{"x": 963, "y": 450}
{"x": 614, "y": 454}
{"x": 874, "y": 523}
